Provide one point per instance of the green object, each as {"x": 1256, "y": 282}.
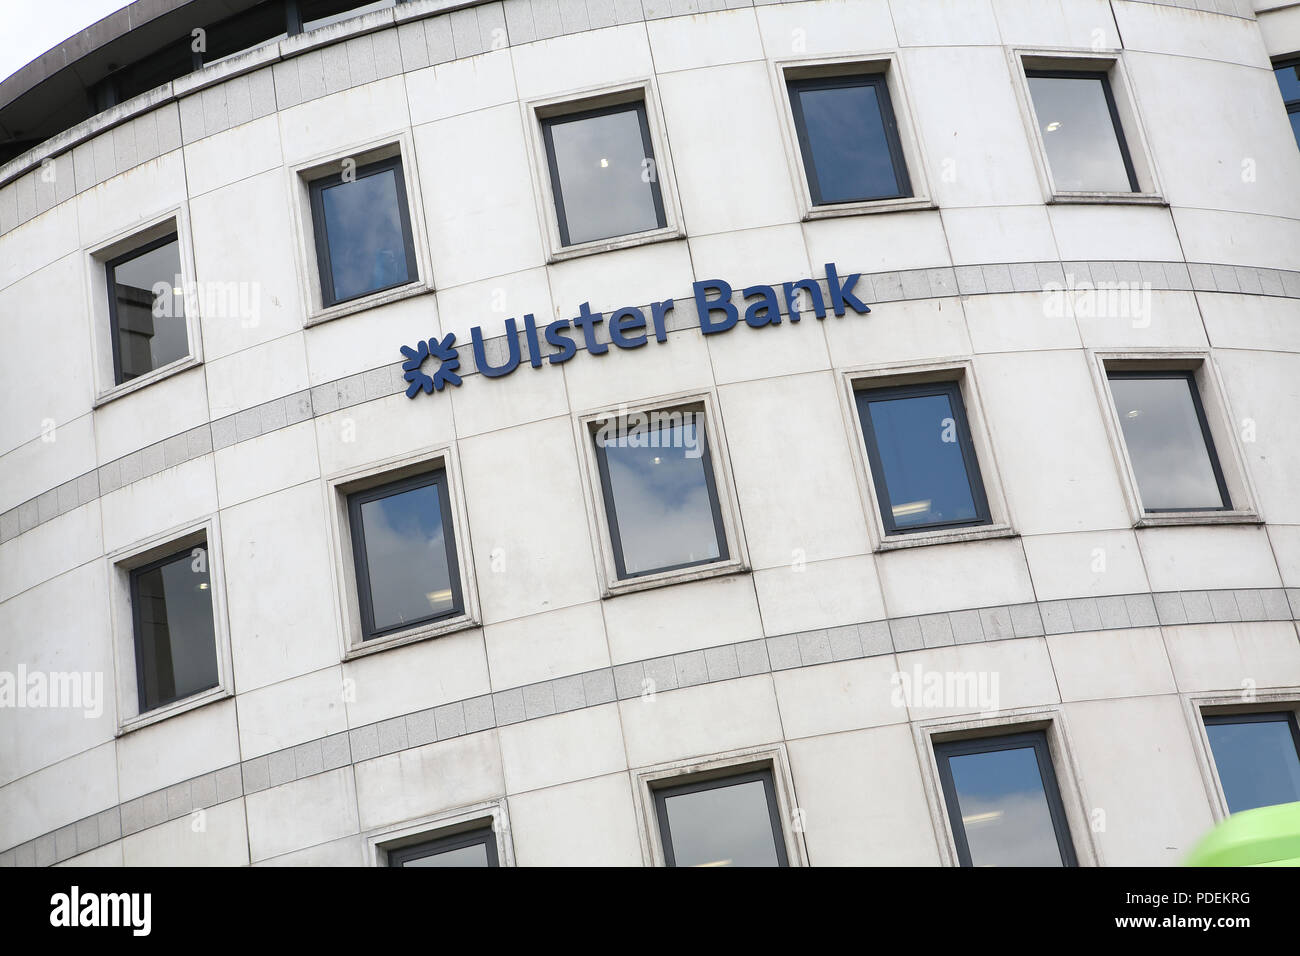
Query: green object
{"x": 1265, "y": 836}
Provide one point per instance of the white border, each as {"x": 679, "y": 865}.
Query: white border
{"x": 122, "y": 621}
{"x": 576, "y": 101}
{"x": 336, "y": 488}
{"x": 957, "y": 370}
{"x": 598, "y": 521}
{"x": 885, "y": 62}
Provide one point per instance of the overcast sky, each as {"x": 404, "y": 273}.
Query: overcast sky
{"x": 30, "y": 27}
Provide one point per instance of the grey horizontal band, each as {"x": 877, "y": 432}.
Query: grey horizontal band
{"x": 665, "y": 674}
{"x": 386, "y": 380}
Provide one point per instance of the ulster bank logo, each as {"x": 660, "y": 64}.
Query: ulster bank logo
{"x": 629, "y": 327}
{"x": 445, "y": 374}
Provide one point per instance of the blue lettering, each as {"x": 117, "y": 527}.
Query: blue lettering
{"x": 792, "y": 298}
{"x": 704, "y": 305}
{"x": 556, "y": 338}
{"x": 480, "y": 360}
{"x": 658, "y": 312}
{"x": 627, "y": 320}
{"x": 764, "y": 312}
{"x": 587, "y": 321}
{"x": 841, "y": 292}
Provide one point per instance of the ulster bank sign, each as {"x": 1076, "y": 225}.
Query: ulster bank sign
{"x": 630, "y": 327}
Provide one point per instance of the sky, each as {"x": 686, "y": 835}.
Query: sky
{"x": 30, "y": 27}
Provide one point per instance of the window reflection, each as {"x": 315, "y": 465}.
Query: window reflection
{"x": 603, "y": 173}
{"x": 848, "y": 140}
{"x": 728, "y": 822}
{"x": 660, "y": 497}
{"x": 919, "y": 449}
{"x": 475, "y": 848}
{"x": 366, "y": 232}
{"x": 1083, "y": 140}
{"x": 1004, "y": 809}
{"x": 148, "y": 329}
{"x": 1168, "y": 441}
{"x": 405, "y": 563}
{"x": 1258, "y": 758}
{"x": 175, "y": 639}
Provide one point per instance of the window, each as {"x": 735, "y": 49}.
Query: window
{"x": 1003, "y": 802}
{"x": 1288, "y": 81}
{"x": 362, "y": 227}
{"x": 921, "y": 457}
{"x": 603, "y": 174}
{"x": 146, "y": 308}
{"x": 848, "y": 138}
{"x": 472, "y": 848}
{"x": 404, "y": 551}
{"x": 1257, "y": 756}
{"x": 1168, "y": 441}
{"x": 175, "y": 640}
{"x": 1081, "y": 131}
{"x": 732, "y": 821}
{"x": 660, "y": 493}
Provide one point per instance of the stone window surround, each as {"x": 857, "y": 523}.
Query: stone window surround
{"x": 884, "y": 62}
{"x": 774, "y": 759}
{"x": 337, "y": 487}
{"x": 1052, "y": 722}
{"x": 1245, "y": 700}
{"x": 960, "y": 371}
{"x": 154, "y": 225}
{"x": 706, "y": 403}
{"x": 120, "y": 563}
{"x": 1110, "y": 63}
{"x": 1223, "y": 429}
{"x": 642, "y": 89}
{"x": 494, "y": 813}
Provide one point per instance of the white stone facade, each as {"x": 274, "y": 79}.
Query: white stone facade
{"x": 1110, "y": 630}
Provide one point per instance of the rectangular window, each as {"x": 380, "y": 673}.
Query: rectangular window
{"x": 1288, "y": 81}
{"x": 1257, "y": 756}
{"x": 848, "y": 138}
{"x": 603, "y": 173}
{"x": 362, "y": 224}
{"x": 1169, "y": 441}
{"x": 661, "y": 499}
{"x": 472, "y": 848}
{"x": 1081, "y": 131}
{"x": 1003, "y": 802}
{"x": 175, "y": 639}
{"x": 922, "y": 458}
{"x": 404, "y": 551}
{"x": 146, "y": 308}
{"x": 732, "y": 821}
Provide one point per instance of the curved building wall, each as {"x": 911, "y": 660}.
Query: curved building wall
{"x": 562, "y": 695}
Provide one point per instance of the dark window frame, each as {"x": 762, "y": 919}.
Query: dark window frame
{"x": 1291, "y": 63}
{"x": 611, "y": 512}
{"x": 320, "y": 235}
{"x": 1120, "y": 138}
{"x": 864, "y": 394}
{"x": 443, "y": 844}
{"x": 1250, "y": 717}
{"x": 1037, "y": 739}
{"x": 361, "y": 563}
{"x": 134, "y": 575}
{"x": 661, "y": 795}
{"x": 643, "y": 118}
{"x": 1189, "y": 375}
{"x": 796, "y": 85}
{"x": 110, "y": 267}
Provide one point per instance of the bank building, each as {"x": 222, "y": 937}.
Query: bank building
{"x": 649, "y": 432}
